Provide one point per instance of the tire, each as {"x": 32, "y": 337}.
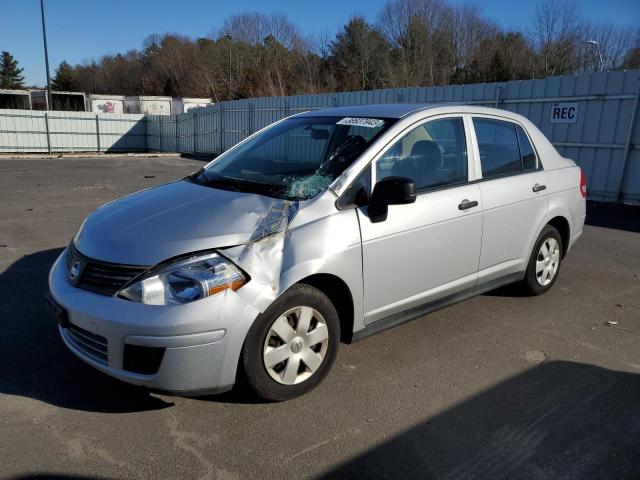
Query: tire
{"x": 543, "y": 269}
{"x": 303, "y": 362}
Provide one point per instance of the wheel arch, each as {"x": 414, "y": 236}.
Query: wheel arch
{"x": 340, "y": 295}
{"x": 559, "y": 217}
{"x": 561, "y": 224}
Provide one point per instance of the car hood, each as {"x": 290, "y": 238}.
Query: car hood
{"x": 153, "y": 225}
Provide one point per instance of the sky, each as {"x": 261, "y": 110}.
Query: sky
{"x": 79, "y": 30}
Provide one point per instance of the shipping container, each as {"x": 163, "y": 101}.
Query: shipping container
{"x": 183, "y": 105}
{"x": 16, "y": 99}
{"x": 147, "y": 105}
{"x": 61, "y": 101}
{"x": 106, "y": 103}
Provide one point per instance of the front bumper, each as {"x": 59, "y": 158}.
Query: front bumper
{"x": 201, "y": 341}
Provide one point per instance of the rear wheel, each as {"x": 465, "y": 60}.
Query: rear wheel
{"x": 292, "y": 346}
{"x": 544, "y": 264}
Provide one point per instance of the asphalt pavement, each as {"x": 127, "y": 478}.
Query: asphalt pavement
{"x": 498, "y": 387}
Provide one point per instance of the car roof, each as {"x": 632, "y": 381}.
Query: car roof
{"x": 404, "y": 110}
{"x": 383, "y": 110}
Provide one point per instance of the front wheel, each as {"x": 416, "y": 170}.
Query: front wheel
{"x": 292, "y": 346}
{"x": 544, "y": 264}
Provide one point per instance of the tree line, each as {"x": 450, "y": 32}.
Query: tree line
{"x": 411, "y": 43}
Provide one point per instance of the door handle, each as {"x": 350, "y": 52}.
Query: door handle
{"x": 466, "y": 204}
{"x": 538, "y": 188}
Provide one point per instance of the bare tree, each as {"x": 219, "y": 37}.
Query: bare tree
{"x": 614, "y": 43}
{"x": 558, "y": 32}
{"x": 468, "y": 30}
{"x": 254, "y": 27}
{"x": 412, "y": 43}
{"x": 417, "y": 32}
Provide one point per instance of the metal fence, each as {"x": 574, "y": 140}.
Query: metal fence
{"x": 603, "y": 135}
{"x": 32, "y": 131}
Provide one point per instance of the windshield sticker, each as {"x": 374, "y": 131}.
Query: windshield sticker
{"x": 361, "y": 122}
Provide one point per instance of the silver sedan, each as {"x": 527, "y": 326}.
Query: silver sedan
{"x": 326, "y": 226}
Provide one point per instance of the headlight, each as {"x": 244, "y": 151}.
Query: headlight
{"x": 185, "y": 281}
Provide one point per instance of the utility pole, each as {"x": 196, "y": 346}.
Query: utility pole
{"x": 229, "y": 39}
{"x": 46, "y": 55}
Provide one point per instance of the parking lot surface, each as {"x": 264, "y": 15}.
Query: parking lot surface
{"x": 500, "y": 386}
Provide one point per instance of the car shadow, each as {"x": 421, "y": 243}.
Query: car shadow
{"x": 34, "y": 362}
{"x": 511, "y": 290}
{"x": 240, "y": 395}
{"x": 556, "y": 420}
{"x": 612, "y": 215}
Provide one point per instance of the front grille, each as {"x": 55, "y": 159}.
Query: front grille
{"x": 101, "y": 277}
{"x": 107, "y": 280}
{"x": 89, "y": 343}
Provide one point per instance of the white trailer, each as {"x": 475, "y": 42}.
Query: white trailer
{"x": 61, "y": 101}
{"x": 183, "y": 105}
{"x": 106, "y": 103}
{"x": 15, "y": 99}
{"x": 148, "y": 105}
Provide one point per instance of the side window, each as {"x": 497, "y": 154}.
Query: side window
{"x": 433, "y": 154}
{"x": 498, "y": 145}
{"x": 528, "y": 155}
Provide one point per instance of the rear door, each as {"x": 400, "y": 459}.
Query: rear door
{"x": 514, "y": 195}
{"x": 429, "y": 249}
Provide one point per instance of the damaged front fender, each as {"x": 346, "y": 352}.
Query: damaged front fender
{"x": 294, "y": 241}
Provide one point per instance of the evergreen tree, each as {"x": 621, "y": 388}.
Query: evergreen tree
{"x": 65, "y": 79}
{"x": 358, "y": 57}
{"x": 497, "y": 69}
{"x": 632, "y": 59}
{"x": 10, "y": 74}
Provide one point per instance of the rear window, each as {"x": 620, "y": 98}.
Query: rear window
{"x": 528, "y": 155}
{"x": 504, "y": 148}
{"x": 498, "y": 145}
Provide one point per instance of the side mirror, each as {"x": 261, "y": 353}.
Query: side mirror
{"x": 390, "y": 191}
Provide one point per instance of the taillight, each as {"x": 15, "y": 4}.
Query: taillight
{"x": 583, "y": 184}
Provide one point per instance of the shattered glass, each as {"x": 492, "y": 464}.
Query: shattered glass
{"x": 309, "y": 187}
{"x": 295, "y": 159}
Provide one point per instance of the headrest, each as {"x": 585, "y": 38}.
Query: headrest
{"x": 427, "y": 154}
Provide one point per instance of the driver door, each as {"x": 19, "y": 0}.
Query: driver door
{"x": 429, "y": 249}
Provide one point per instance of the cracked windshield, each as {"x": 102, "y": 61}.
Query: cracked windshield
{"x": 295, "y": 159}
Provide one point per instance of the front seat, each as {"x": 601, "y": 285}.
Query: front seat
{"x": 426, "y": 158}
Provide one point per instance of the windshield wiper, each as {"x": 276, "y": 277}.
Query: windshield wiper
{"x": 201, "y": 178}
{"x": 239, "y": 185}
{"x": 266, "y": 188}
{"x": 223, "y": 183}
